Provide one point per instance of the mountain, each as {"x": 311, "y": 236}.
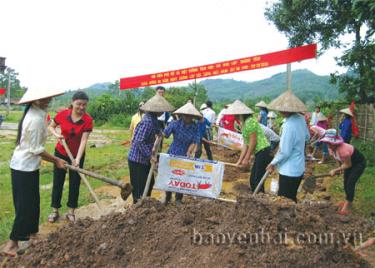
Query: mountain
{"x": 305, "y": 84}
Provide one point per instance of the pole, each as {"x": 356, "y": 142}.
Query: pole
{"x": 195, "y": 91}
{"x": 289, "y": 76}
{"x": 8, "y": 92}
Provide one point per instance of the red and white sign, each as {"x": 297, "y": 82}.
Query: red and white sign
{"x": 219, "y": 68}
{"x": 189, "y": 176}
{"x": 229, "y": 139}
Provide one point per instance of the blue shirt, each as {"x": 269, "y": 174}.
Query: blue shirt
{"x": 144, "y": 139}
{"x": 346, "y": 130}
{"x": 183, "y": 136}
{"x": 202, "y": 127}
{"x": 290, "y": 159}
{"x": 263, "y": 117}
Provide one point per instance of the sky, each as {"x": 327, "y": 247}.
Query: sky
{"x": 73, "y": 44}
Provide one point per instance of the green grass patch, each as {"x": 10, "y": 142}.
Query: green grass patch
{"x": 109, "y": 160}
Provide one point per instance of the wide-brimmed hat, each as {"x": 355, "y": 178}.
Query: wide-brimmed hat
{"x": 188, "y": 109}
{"x": 287, "y": 102}
{"x": 38, "y": 94}
{"x": 238, "y": 107}
{"x": 331, "y": 137}
{"x": 203, "y": 106}
{"x": 321, "y": 117}
{"x": 271, "y": 114}
{"x": 346, "y": 111}
{"x": 157, "y": 104}
{"x": 261, "y": 104}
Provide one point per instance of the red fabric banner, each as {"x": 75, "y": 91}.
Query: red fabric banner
{"x": 2, "y": 91}
{"x": 355, "y": 129}
{"x": 225, "y": 67}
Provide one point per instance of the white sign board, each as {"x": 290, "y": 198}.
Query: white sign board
{"x": 229, "y": 139}
{"x": 187, "y": 176}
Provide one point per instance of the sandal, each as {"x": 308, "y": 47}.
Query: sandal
{"x": 70, "y": 217}
{"x": 8, "y": 254}
{"x": 340, "y": 204}
{"x": 53, "y": 217}
{"x": 344, "y": 212}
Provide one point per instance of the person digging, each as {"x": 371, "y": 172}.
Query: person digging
{"x": 290, "y": 159}
{"x": 353, "y": 164}
{"x": 255, "y": 142}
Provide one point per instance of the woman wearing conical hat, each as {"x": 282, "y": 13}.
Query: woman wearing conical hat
{"x": 185, "y": 137}
{"x": 346, "y": 125}
{"x": 353, "y": 164}
{"x": 290, "y": 159}
{"x": 25, "y": 164}
{"x": 263, "y": 112}
{"x": 142, "y": 143}
{"x": 322, "y": 124}
{"x": 255, "y": 142}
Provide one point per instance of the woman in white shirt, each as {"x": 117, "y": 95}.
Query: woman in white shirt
{"x": 25, "y": 163}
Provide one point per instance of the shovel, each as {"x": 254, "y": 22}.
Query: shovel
{"x": 309, "y": 184}
{"x": 153, "y": 164}
{"x": 261, "y": 182}
{"x": 126, "y": 188}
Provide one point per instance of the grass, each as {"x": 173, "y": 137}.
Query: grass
{"x": 13, "y": 117}
{"x": 109, "y": 160}
{"x": 364, "y": 200}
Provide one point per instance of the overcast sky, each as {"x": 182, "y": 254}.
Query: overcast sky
{"x": 72, "y": 44}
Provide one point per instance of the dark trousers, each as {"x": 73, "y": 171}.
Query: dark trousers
{"x": 351, "y": 175}
{"x": 138, "y": 178}
{"x": 261, "y": 161}
{"x": 58, "y": 183}
{"x": 26, "y": 200}
{"x": 207, "y": 148}
{"x": 288, "y": 186}
{"x": 168, "y": 196}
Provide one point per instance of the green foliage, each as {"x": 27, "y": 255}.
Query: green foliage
{"x": 16, "y": 90}
{"x": 325, "y": 22}
{"x": 367, "y": 149}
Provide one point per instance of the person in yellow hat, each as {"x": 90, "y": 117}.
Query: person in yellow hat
{"x": 25, "y": 164}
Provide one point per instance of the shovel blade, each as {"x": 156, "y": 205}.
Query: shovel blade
{"x": 309, "y": 184}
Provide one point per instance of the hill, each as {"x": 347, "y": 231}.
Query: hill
{"x": 305, "y": 84}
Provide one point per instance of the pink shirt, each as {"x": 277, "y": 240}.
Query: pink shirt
{"x": 318, "y": 130}
{"x": 342, "y": 151}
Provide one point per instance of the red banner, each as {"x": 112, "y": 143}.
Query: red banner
{"x": 225, "y": 67}
{"x": 2, "y": 91}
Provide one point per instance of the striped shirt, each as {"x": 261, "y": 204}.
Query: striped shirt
{"x": 144, "y": 139}
{"x": 270, "y": 134}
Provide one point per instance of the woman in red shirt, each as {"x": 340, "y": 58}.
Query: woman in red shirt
{"x": 228, "y": 120}
{"x": 76, "y": 126}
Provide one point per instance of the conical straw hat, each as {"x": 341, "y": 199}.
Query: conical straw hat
{"x": 238, "y": 107}
{"x": 287, "y": 102}
{"x": 346, "y": 111}
{"x": 261, "y": 104}
{"x": 38, "y": 94}
{"x": 188, "y": 109}
{"x": 321, "y": 117}
{"x": 157, "y": 104}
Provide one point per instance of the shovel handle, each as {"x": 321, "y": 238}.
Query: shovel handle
{"x": 322, "y": 175}
{"x": 97, "y": 176}
{"x": 261, "y": 182}
{"x": 151, "y": 172}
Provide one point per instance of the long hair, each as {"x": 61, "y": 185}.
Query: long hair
{"x": 19, "y": 132}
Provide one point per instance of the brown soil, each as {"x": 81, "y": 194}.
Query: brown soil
{"x": 153, "y": 235}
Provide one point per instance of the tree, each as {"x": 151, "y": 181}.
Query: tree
{"x": 16, "y": 89}
{"x": 326, "y": 22}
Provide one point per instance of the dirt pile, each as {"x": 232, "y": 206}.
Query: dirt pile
{"x": 206, "y": 233}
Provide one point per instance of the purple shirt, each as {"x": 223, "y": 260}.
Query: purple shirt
{"x": 183, "y": 136}
{"x": 144, "y": 139}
